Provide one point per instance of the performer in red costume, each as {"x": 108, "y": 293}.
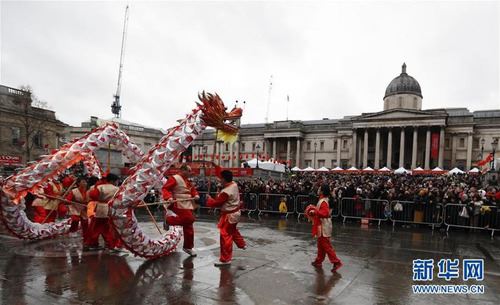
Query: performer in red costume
{"x": 78, "y": 211}
{"x": 181, "y": 195}
{"x": 98, "y": 212}
{"x": 322, "y": 229}
{"x": 229, "y": 202}
{"x": 47, "y": 209}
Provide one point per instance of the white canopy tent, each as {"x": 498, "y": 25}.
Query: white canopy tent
{"x": 295, "y": 169}
{"x": 368, "y": 169}
{"x": 308, "y": 169}
{"x": 474, "y": 170}
{"x": 337, "y": 169}
{"x": 401, "y": 170}
{"x": 384, "y": 169}
{"x": 437, "y": 169}
{"x": 352, "y": 169}
{"x": 455, "y": 170}
{"x": 267, "y": 165}
{"x": 418, "y": 169}
{"x": 323, "y": 169}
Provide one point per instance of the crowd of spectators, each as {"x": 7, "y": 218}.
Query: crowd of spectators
{"x": 425, "y": 196}
{"x": 429, "y": 189}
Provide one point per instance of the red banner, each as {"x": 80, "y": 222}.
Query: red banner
{"x": 435, "y": 145}
{"x": 9, "y": 160}
{"x": 237, "y": 171}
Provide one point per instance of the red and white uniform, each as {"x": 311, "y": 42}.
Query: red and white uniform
{"x": 47, "y": 209}
{"x": 99, "y": 221}
{"x": 179, "y": 188}
{"x": 78, "y": 213}
{"x": 229, "y": 202}
{"x": 322, "y": 229}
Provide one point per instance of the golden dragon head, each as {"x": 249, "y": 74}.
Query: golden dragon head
{"x": 215, "y": 115}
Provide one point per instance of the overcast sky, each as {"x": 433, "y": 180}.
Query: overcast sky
{"x": 332, "y": 58}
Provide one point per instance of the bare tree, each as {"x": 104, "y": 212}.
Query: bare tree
{"x": 32, "y": 120}
{"x": 35, "y": 101}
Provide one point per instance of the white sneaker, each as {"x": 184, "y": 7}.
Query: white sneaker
{"x": 222, "y": 264}
{"x": 190, "y": 252}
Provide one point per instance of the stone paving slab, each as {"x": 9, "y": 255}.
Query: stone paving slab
{"x": 275, "y": 269}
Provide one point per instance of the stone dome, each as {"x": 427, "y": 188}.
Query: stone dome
{"x": 403, "y": 84}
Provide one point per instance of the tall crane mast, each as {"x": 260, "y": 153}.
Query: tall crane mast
{"x": 269, "y": 98}
{"x": 115, "y": 106}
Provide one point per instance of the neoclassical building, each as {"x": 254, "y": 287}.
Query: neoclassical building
{"x": 401, "y": 135}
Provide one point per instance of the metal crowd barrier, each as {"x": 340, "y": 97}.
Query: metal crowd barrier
{"x": 249, "y": 202}
{"x": 302, "y": 201}
{"x": 203, "y": 202}
{"x": 416, "y": 213}
{"x": 482, "y": 221}
{"x": 359, "y": 208}
{"x": 269, "y": 203}
{"x": 379, "y": 210}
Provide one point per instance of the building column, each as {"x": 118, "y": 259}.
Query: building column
{"x": 414, "y": 148}
{"x": 215, "y": 151}
{"x": 297, "y": 157}
{"x": 377, "y": 149}
{"x": 237, "y": 148}
{"x": 288, "y": 151}
{"x": 193, "y": 152}
{"x": 453, "y": 151}
{"x": 427, "y": 148}
{"x": 469, "y": 151}
{"x": 339, "y": 140}
{"x": 275, "y": 155}
{"x": 360, "y": 152}
{"x": 441, "y": 148}
{"x": 402, "y": 148}
{"x": 221, "y": 150}
{"x": 231, "y": 154}
{"x": 365, "y": 149}
{"x": 353, "y": 147}
{"x": 389, "y": 148}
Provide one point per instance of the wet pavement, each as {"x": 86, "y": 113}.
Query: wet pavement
{"x": 275, "y": 269}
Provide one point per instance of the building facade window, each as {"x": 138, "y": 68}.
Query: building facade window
{"x": 243, "y": 147}
{"x": 334, "y": 163}
{"x": 308, "y": 163}
{"x": 447, "y": 143}
{"x": 253, "y": 146}
{"x": 334, "y": 144}
{"x": 461, "y": 142}
{"x": 321, "y": 163}
{"x": 227, "y": 147}
{"x": 475, "y": 143}
{"x": 37, "y": 139}
{"x": 344, "y": 144}
{"x": 308, "y": 145}
{"x": 16, "y": 135}
{"x": 322, "y": 145}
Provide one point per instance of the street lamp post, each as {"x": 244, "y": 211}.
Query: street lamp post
{"x": 494, "y": 145}
{"x": 315, "y": 145}
{"x": 482, "y": 148}
{"x": 257, "y": 148}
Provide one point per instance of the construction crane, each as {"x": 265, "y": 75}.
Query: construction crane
{"x": 115, "y": 106}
